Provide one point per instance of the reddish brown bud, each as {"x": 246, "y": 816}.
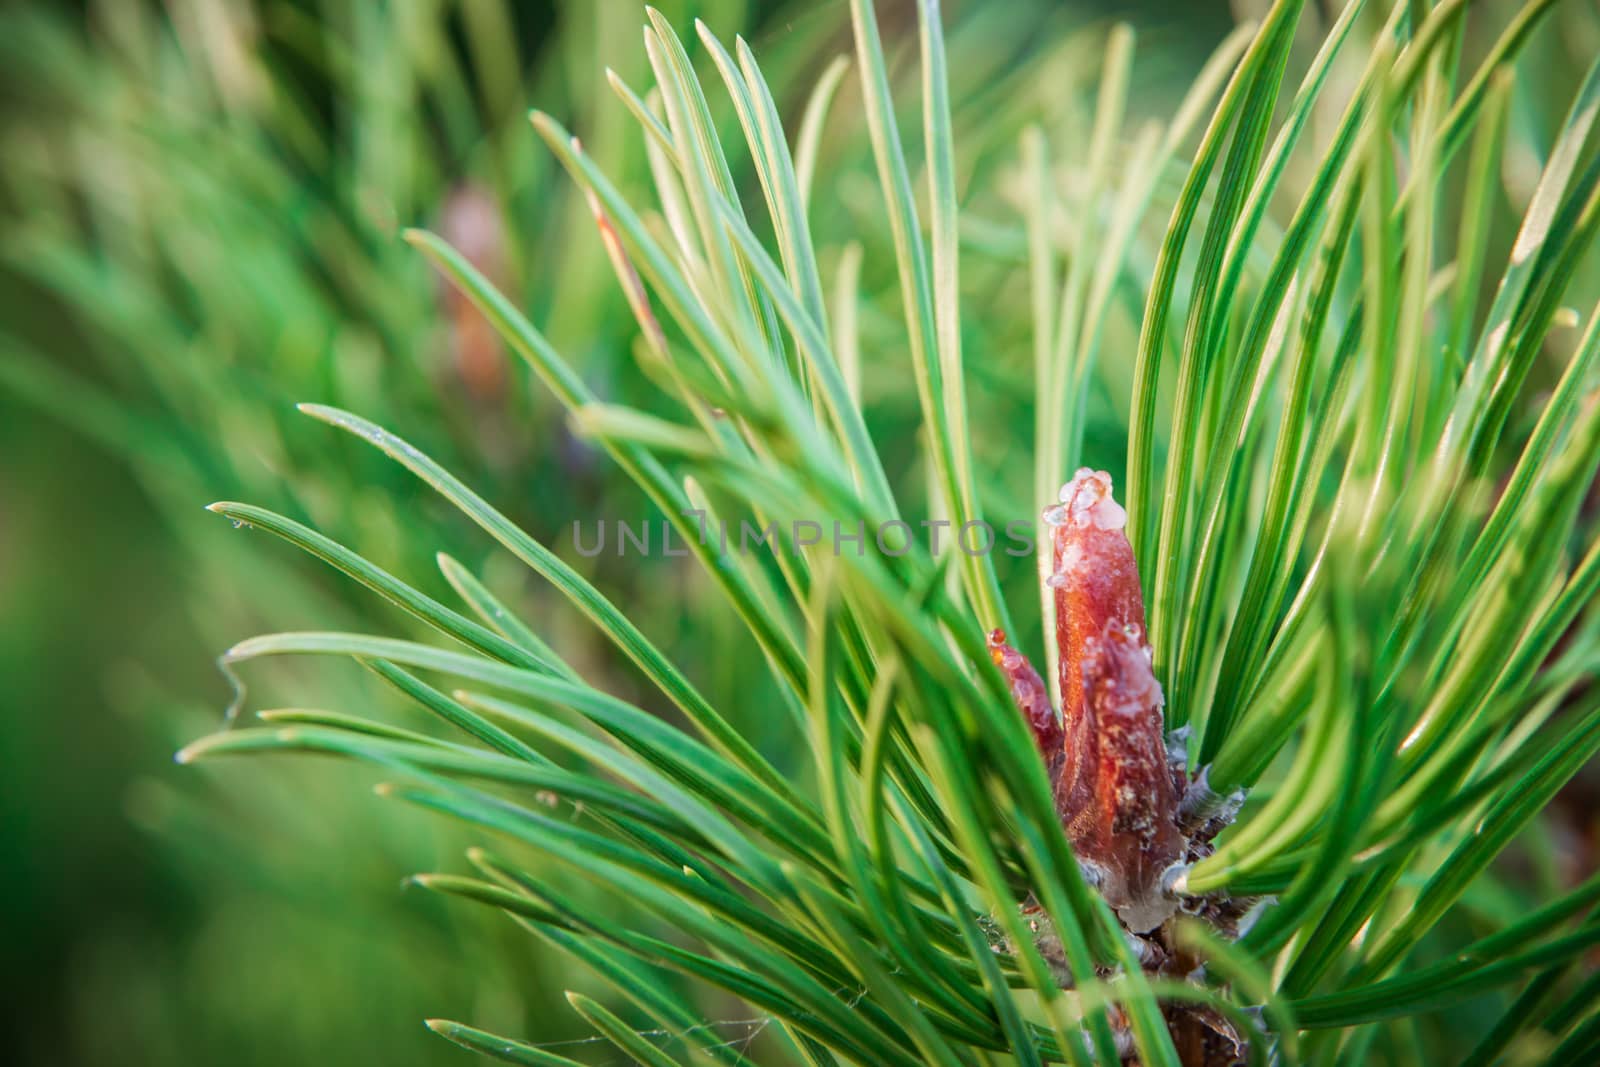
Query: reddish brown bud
{"x": 1032, "y": 697}
{"x": 471, "y": 222}
{"x": 1115, "y": 792}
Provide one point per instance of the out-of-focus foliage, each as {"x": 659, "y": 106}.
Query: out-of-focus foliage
{"x": 202, "y": 205}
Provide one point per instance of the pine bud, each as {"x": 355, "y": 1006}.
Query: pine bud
{"x": 1115, "y": 792}
{"x": 1032, "y": 698}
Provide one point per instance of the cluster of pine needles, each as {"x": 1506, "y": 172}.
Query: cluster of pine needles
{"x": 1360, "y": 436}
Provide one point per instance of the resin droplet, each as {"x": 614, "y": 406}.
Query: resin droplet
{"x": 1032, "y": 698}
{"x": 1115, "y": 793}
{"x": 1087, "y": 501}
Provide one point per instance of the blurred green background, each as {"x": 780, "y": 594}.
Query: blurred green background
{"x": 201, "y": 202}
